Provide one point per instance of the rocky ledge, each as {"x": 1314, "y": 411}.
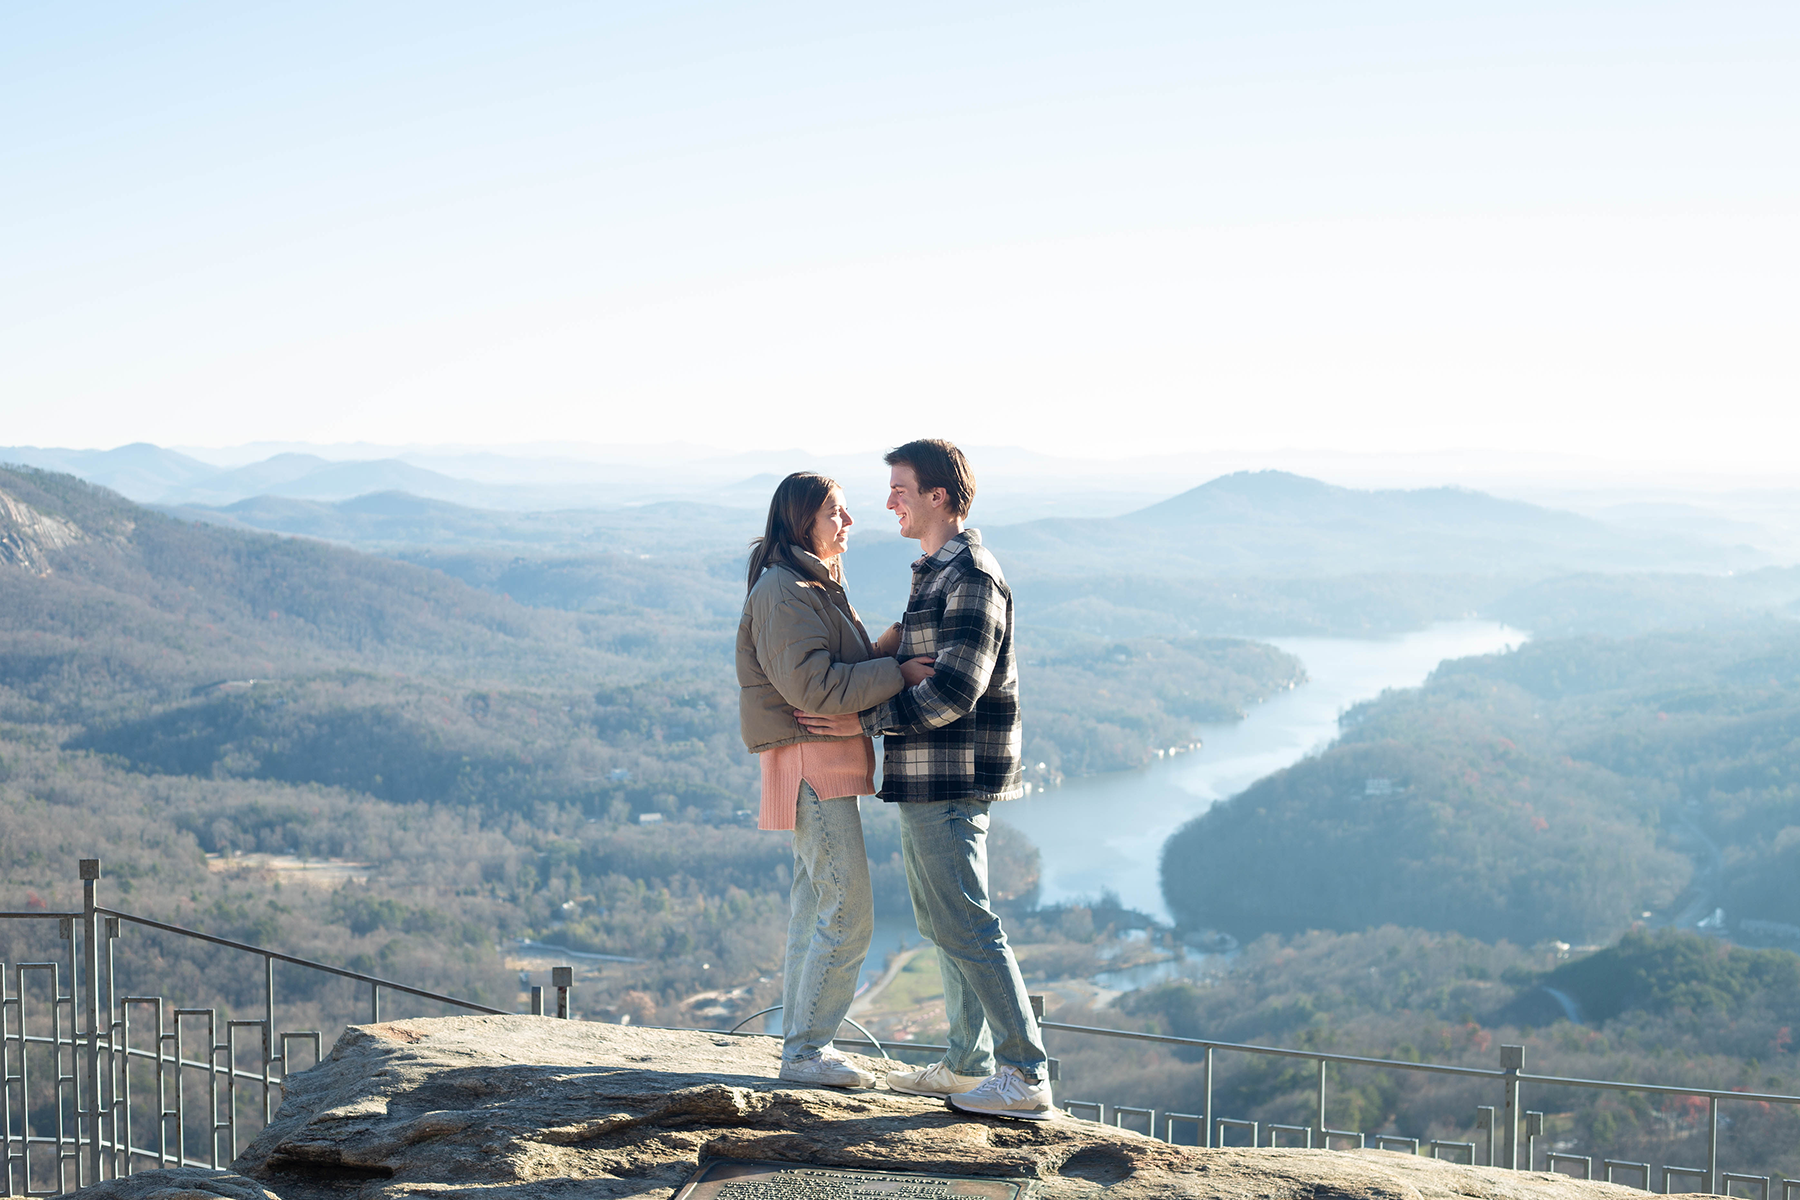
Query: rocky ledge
{"x": 528, "y": 1108}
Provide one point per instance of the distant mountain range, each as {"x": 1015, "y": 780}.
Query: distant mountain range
{"x": 1253, "y": 552}
{"x": 140, "y": 471}
{"x": 391, "y": 520}
{"x": 152, "y": 475}
{"x": 1250, "y": 523}
{"x": 1022, "y": 485}
{"x": 1274, "y": 523}
{"x": 1240, "y": 521}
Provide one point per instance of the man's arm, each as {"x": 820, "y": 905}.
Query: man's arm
{"x": 968, "y": 646}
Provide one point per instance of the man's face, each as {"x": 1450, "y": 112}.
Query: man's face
{"x": 916, "y": 511}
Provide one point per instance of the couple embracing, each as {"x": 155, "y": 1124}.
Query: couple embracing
{"x": 941, "y": 686}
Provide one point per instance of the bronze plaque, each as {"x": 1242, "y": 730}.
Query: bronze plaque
{"x": 735, "y": 1179}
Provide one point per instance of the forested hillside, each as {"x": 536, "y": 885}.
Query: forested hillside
{"x": 1665, "y": 1007}
{"x": 1558, "y": 791}
{"x": 169, "y": 691}
{"x": 172, "y": 690}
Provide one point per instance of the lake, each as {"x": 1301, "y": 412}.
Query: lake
{"x": 1107, "y": 831}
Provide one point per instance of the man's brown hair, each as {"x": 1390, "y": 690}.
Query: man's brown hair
{"x": 938, "y": 464}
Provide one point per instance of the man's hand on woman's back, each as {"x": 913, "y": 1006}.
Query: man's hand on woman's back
{"x": 843, "y": 725}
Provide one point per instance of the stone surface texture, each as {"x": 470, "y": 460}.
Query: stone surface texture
{"x": 532, "y": 1108}
{"x": 181, "y": 1183}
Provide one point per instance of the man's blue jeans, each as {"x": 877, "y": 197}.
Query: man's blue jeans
{"x": 831, "y": 918}
{"x": 944, "y": 846}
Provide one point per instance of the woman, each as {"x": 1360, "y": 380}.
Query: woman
{"x": 801, "y": 646}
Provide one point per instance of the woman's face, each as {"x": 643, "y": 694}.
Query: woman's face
{"x": 831, "y": 528}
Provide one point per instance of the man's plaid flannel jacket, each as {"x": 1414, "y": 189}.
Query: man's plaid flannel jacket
{"x": 957, "y": 735}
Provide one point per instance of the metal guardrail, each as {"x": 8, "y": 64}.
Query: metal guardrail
{"x": 70, "y": 1122}
{"x": 76, "y": 1087}
{"x": 868, "y": 1038}
{"x": 1512, "y": 1123}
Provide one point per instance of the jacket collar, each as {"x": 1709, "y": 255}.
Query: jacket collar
{"x": 811, "y": 566}
{"x": 948, "y": 551}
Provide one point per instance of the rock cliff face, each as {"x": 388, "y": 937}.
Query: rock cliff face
{"x": 27, "y": 534}
{"x": 529, "y": 1108}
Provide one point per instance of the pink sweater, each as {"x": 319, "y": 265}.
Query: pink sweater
{"x": 839, "y": 767}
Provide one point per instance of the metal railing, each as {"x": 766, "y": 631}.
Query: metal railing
{"x": 95, "y": 1084}
{"x": 69, "y": 1110}
{"x": 1512, "y": 1123}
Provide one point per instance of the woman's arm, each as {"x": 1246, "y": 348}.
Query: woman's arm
{"x": 914, "y": 671}
{"x": 793, "y": 648}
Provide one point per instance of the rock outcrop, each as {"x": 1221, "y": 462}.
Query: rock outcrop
{"x": 27, "y": 535}
{"x": 180, "y": 1183}
{"x": 528, "y": 1108}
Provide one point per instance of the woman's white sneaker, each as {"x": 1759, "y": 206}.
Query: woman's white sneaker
{"x": 828, "y": 1068}
{"x": 935, "y": 1080}
{"x": 1007, "y": 1093}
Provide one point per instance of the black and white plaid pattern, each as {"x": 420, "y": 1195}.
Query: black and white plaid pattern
{"x": 957, "y": 735}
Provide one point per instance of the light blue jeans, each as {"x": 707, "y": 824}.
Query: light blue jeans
{"x": 944, "y": 847}
{"x": 831, "y": 918}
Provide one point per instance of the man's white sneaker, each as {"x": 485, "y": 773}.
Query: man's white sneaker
{"x": 935, "y": 1080}
{"x": 1007, "y": 1093}
{"x": 828, "y": 1068}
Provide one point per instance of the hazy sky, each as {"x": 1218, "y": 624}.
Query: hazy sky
{"x": 1095, "y": 228}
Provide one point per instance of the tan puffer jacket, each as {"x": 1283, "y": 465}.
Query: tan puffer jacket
{"x": 801, "y": 645}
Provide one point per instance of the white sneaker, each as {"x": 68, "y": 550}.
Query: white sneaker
{"x": 935, "y": 1080}
{"x": 1007, "y": 1093}
{"x": 828, "y": 1068}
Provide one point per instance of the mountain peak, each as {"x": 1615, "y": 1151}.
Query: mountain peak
{"x": 1242, "y": 491}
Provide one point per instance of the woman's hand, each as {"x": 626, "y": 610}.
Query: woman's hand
{"x": 846, "y": 725}
{"x": 917, "y": 670}
{"x": 888, "y": 644}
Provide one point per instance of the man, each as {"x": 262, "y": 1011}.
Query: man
{"x": 953, "y": 747}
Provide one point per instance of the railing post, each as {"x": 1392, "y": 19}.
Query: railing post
{"x": 537, "y": 1000}
{"x": 1712, "y": 1144}
{"x": 268, "y": 1080}
{"x": 179, "y": 1112}
{"x": 374, "y": 1004}
{"x": 1484, "y": 1120}
{"x": 6, "y": 1159}
{"x": 562, "y": 979}
{"x": 1206, "y": 1100}
{"x": 1322, "y": 1126}
{"x": 1512, "y": 1061}
{"x": 116, "y": 1063}
{"x": 90, "y": 970}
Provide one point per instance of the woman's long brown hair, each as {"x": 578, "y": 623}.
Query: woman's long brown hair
{"x": 793, "y": 511}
